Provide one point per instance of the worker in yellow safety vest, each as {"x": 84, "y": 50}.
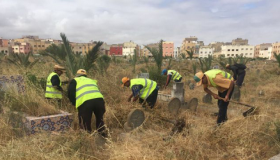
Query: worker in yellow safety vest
{"x": 171, "y": 75}
{"x": 53, "y": 86}
{"x": 144, "y": 89}
{"x": 84, "y": 94}
{"x": 223, "y": 82}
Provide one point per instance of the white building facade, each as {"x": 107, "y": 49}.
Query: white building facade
{"x": 266, "y": 53}
{"x": 176, "y": 52}
{"x": 204, "y": 51}
{"x": 238, "y": 50}
{"x": 128, "y": 48}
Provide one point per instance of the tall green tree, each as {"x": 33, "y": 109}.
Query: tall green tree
{"x": 157, "y": 54}
{"x": 64, "y": 55}
{"x": 190, "y": 53}
{"x": 277, "y": 57}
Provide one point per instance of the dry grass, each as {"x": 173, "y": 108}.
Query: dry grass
{"x": 254, "y": 137}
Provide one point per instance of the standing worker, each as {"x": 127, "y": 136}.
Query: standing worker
{"x": 53, "y": 87}
{"x": 144, "y": 89}
{"x": 171, "y": 74}
{"x": 223, "y": 82}
{"x": 238, "y": 72}
{"x": 83, "y": 93}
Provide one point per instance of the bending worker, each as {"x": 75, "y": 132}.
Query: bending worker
{"x": 238, "y": 72}
{"x": 144, "y": 89}
{"x": 171, "y": 75}
{"x": 83, "y": 92}
{"x": 223, "y": 82}
{"x": 53, "y": 87}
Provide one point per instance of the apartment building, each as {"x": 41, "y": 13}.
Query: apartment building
{"x": 4, "y": 46}
{"x": 176, "y": 53}
{"x": 240, "y": 41}
{"x": 266, "y": 53}
{"x": 24, "y": 48}
{"x": 238, "y": 50}
{"x": 275, "y": 49}
{"x": 128, "y": 48}
{"x": 189, "y": 44}
{"x": 116, "y": 50}
{"x": 260, "y": 47}
{"x": 205, "y": 51}
{"x": 168, "y": 49}
{"x": 146, "y": 52}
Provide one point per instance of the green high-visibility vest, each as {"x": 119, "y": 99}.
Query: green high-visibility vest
{"x": 148, "y": 86}
{"x": 86, "y": 89}
{"x": 212, "y": 74}
{"x": 175, "y": 75}
{"x": 51, "y": 91}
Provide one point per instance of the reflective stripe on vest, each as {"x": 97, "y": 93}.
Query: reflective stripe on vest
{"x": 175, "y": 74}
{"x": 86, "y": 89}
{"x": 51, "y": 91}
{"x": 148, "y": 86}
{"x": 212, "y": 74}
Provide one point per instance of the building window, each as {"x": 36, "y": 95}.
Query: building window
{"x": 232, "y": 49}
{"x": 43, "y": 45}
{"x": 246, "y": 48}
{"x": 251, "y": 48}
{"x": 39, "y": 45}
{"x": 246, "y": 54}
{"x": 232, "y": 54}
{"x": 201, "y": 52}
{"x": 250, "y": 53}
{"x": 228, "y": 50}
{"x": 241, "y": 48}
{"x": 35, "y": 45}
{"x": 236, "y": 49}
{"x": 228, "y": 54}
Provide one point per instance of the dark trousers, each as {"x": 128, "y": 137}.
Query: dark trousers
{"x": 178, "y": 80}
{"x": 223, "y": 106}
{"x": 240, "y": 79}
{"x": 96, "y": 106}
{"x": 152, "y": 99}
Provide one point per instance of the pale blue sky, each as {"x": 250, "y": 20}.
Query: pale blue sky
{"x": 143, "y": 21}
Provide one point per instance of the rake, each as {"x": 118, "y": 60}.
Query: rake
{"x": 246, "y": 113}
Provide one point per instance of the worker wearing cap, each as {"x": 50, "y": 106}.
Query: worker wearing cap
{"x": 171, "y": 75}
{"x": 53, "y": 87}
{"x": 144, "y": 89}
{"x": 223, "y": 82}
{"x": 83, "y": 93}
{"x": 238, "y": 71}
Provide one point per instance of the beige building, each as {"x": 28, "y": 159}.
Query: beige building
{"x": 275, "y": 49}
{"x": 266, "y": 53}
{"x": 260, "y": 47}
{"x": 146, "y": 52}
{"x": 128, "y": 48}
{"x": 240, "y": 41}
{"x": 218, "y": 45}
{"x": 189, "y": 44}
{"x": 238, "y": 50}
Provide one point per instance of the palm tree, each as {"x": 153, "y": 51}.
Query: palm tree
{"x": 277, "y": 57}
{"x": 190, "y": 53}
{"x": 205, "y": 64}
{"x": 22, "y": 60}
{"x": 157, "y": 54}
{"x": 64, "y": 55}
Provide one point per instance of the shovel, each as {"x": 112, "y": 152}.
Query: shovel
{"x": 248, "y": 112}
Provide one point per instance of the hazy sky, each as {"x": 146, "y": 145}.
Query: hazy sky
{"x": 142, "y": 21}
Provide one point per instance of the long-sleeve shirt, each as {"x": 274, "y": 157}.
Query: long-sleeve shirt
{"x": 72, "y": 91}
{"x": 235, "y": 71}
{"x": 56, "y": 82}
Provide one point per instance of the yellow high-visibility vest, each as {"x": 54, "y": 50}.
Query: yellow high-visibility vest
{"x": 148, "y": 86}
{"x": 212, "y": 74}
{"x": 51, "y": 91}
{"x": 86, "y": 89}
{"x": 175, "y": 75}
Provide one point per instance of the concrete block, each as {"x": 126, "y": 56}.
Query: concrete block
{"x": 180, "y": 95}
{"x": 178, "y": 85}
{"x": 164, "y": 97}
{"x": 52, "y": 123}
